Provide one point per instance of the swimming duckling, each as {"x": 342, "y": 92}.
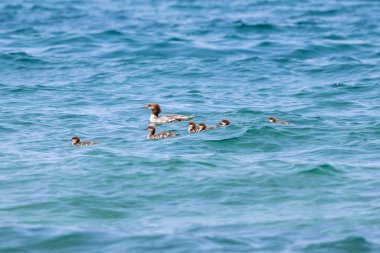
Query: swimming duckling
{"x": 161, "y": 135}
{"x": 192, "y": 127}
{"x": 223, "y": 123}
{"x": 76, "y": 141}
{"x": 273, "y": 120}
{"x": 202, "y": 127}
{"x": 165, "y": 119}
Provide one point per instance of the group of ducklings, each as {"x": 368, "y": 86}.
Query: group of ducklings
{"x": 154, "y": 118}
{"x": 192, "y": 128}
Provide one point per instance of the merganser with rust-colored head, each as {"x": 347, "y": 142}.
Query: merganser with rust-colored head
{"x": 274, "y": 120}
{"x": 76, "y": 142}
{"x": 223, "y": 123}
{"x": 165, "y": 119}
{"x": 152, "y": 133}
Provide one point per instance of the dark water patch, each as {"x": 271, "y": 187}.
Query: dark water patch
{"x": 111, "y": 35}
{"x": 320, "y": 170}
{"x": 341, "y": 68}
{"x": 348, "y": 244}
{"x": 20, "y": 57}
{"x": 27, "y": 207}
{"x": 315, "y": 51}
{"x": 114, "y": 54}
{"x": 335, "y": 37}
{"x": 346, "y": 59}
{"x": 331, "y": 12}
{"x": 334, "y": 93}
{"x": 5, "y": 129}
{"x": 72, "y": 40}
{"x": 308, "y": 180}
{"x": 357, "y": 88}
{"x": 30, "y": 89}
{"x": 242, "y": 26}
{"x": 28, "y": 31}
{"x": 72, "y": 241}
{"x": 38, "y": 7}
{"x": 177, "y": 39}
{"x": 173, "y": 50}
{"x": 266, "y": 139}
{"x": 12, "y": 7}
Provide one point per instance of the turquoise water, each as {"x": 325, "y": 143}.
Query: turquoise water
{"x": 87, "y": 68}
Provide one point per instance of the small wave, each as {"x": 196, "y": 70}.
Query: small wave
{"x": 348, "y": 244}
{"x": 314, "y": 50}
{"x": 12, "y": 7}
{"x": 261, "y": 27}
{"x": 330, "y": 12}
{"x": 320, "y": 170}
{"x": 168, "y": 48}
{"x": 38, "y": 7}
{"x": 25, "y": 31}
{"x": 28, "y": 89}
{"x": 334, "y": 37}
{"x": 20, "y": 57}
{"x": 108, "y": 34}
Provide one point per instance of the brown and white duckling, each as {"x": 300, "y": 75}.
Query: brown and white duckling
{"x": 76, "y": 141}
{"x": 223, "y": 123}
{"x": 273, "y": 120}
{"x": 165, "y": 119}
{"x": 192, "y": 127}
{"x": 202, "y": 126}
{"x": 161, "y": 135}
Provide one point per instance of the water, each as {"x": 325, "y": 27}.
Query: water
{"x": 87, "y": 68}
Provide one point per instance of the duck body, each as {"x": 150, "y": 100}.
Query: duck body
{"x": 156, "y": 110}
{"x": 162, "y": 135}
{"x": 169, "y": 118}
{"x": 76, "y": 142}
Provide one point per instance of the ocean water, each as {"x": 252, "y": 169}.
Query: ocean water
{"x": 87, "y": 68}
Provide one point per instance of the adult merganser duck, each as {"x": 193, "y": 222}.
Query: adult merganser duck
{"x": 165, "y": 119}
{"x": 223, "y": 123}
{"x": 76, "y": 141}
{"x": 161, "y": 135}
{"x": 273, "y": 120}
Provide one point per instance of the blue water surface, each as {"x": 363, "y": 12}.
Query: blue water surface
{"x": 87, "y": 68}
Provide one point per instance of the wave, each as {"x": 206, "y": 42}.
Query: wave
{"x": 347, "y": 244}
{"x": 319, "y": 170}
{"x": 260, "y": 27}
{"x": 20, "y": 57}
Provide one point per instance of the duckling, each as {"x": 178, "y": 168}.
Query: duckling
{"x": 223, "y": 123}
{"x": 192, "y": 127}
{"x": 161, "y": 135}
{"x": 76, "y": 142}
{"x": 273, "y": 120}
